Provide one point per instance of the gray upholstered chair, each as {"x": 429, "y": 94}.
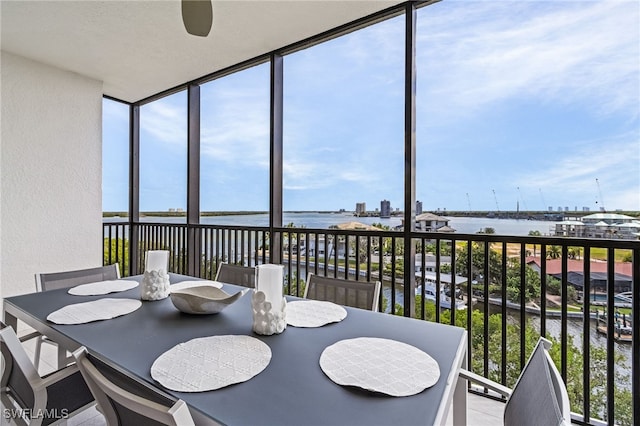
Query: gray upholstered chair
{"x": 28, "y": 398}
{"x": 236, "y": 274}
{"x": 67, "y": 279}
{"x": 357, "y": 294}
{"x": 124, "y": 401}
{"x": 539, "y": 397}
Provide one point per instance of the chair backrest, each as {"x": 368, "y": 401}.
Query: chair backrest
{"x": 236, "y": 274}
{"x": 357, "y": 294}
{"x": 19, "y": 374}
{"x": 124, "y": 401}
{"x": 66, "y": 279}
{"x": 155, "y": 260}
{"x": 539, "y": 396}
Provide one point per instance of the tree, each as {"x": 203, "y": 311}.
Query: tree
{"x": 535, "y": 233}
{"x": 121, "y": 247}
{"x": 554, "y": 252}
{"x": 574, "y": 252}
{"x": 477, "y": 262}
{"x": 515, "y": 284}
{"x": 487, "y": 230}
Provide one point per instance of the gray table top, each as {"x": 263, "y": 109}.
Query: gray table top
{"x": 292, "y": 390}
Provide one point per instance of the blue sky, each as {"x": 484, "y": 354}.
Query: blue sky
{"x": 530, "y": 101}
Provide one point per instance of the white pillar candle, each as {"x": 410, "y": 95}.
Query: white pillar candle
{"x": 269, "y": 280}
{"x": 157, "y": 260}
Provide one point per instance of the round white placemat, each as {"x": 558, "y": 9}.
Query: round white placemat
{"x": 102, "y": 287}
{"x": 380, "y": 365}
{"x": 96, "y": 310}
{"x": 186, "y": 284}
{"x": 314, "y": 313}
{"x": 209, "y": 363}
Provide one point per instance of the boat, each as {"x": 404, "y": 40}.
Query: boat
{"x": 445, "y": 300}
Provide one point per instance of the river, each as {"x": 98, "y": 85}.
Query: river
{"x": 462, "y": 225}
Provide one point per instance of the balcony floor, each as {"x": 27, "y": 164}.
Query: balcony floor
{"x": 481, "y": 411}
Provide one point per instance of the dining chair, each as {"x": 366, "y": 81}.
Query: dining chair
{"x": 156, "y": 260}
{"x": 29, "y": 398}
{"x": 357, "y": 294}
{"x": 236, "y": 274}
{"x": 539, "y": 396}
{"x": 67, "y": 279}
{"x": 125, "y": 402}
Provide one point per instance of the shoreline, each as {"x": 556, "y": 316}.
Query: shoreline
{"x": 513, "y": 215}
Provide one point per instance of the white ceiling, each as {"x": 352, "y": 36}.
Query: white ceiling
{"x": 140, "y": 48}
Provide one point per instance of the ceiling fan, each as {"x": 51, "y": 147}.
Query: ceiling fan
{"x": 197, "y": 16}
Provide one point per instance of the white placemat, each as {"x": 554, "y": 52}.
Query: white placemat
{"x": 380, "y": 365}
{"x": 186, "y": 284}
{"x": 209, "y": 363}
{"x": 314, "y": 313}
{"x": 96, "y": 310}
{"x": 102, "y": 287}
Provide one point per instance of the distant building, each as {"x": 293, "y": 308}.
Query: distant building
{"x": 600, "y": 225}
{"x": 429, "y": 222}
{"x": 586, "y": 209}
{"x": 361, "y": 209}
{"x": 418, "y": 208}
{"x": 385, "y": 208}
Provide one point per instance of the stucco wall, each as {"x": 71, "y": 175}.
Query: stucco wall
{"x": 50, "y": 172}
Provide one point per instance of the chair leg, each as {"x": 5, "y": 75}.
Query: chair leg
{"x": 63, "y": 359}
{"x": 36, "y": 356}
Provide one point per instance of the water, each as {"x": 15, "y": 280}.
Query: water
{"x": 462, "y": 225}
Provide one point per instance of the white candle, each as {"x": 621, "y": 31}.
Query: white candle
{"x": 269, "y": 280}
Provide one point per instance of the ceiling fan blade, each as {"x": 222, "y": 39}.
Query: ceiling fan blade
{"x": 197, "y": 16}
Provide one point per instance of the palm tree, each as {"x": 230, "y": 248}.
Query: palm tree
{"x": 535, "y": 246}
{"x": 554, "y": 252}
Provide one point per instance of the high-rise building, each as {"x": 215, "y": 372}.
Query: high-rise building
{"x": 418, "y": 207}
{"x": 361, "y": 209}
{"x": 385, "y": 208}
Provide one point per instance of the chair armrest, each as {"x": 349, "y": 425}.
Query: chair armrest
{"x": 29, "y": 336}
{"x": 483, "y": 381}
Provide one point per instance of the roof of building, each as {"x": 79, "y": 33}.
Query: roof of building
{"x": 607, "y": 216}
{"x": 431, "y": 217}
{"x": 357, "y": 226}
{"x": 554, "y": 266}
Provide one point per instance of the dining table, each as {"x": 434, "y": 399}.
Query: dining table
{"x": 292, "y": 389}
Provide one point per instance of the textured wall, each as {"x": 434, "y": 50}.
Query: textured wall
{"x": 50, "y": 172}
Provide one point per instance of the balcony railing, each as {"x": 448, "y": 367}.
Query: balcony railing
{"x": 507, "y": 285}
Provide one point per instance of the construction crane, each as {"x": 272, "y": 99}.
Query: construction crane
{"x": 524, "y": 205}
{"x": 544, "y": 204}
{"x": 600, "y": 195}
{"x": 469, "y": 202}
{"x": 496, "y": 199}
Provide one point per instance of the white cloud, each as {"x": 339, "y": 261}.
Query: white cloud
{"x": 614, "y": 161}
{"x": 166, "y": 119}
{"x": 567, "y": 52}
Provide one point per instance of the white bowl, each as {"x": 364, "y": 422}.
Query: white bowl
{"x": 203, "y": 299}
